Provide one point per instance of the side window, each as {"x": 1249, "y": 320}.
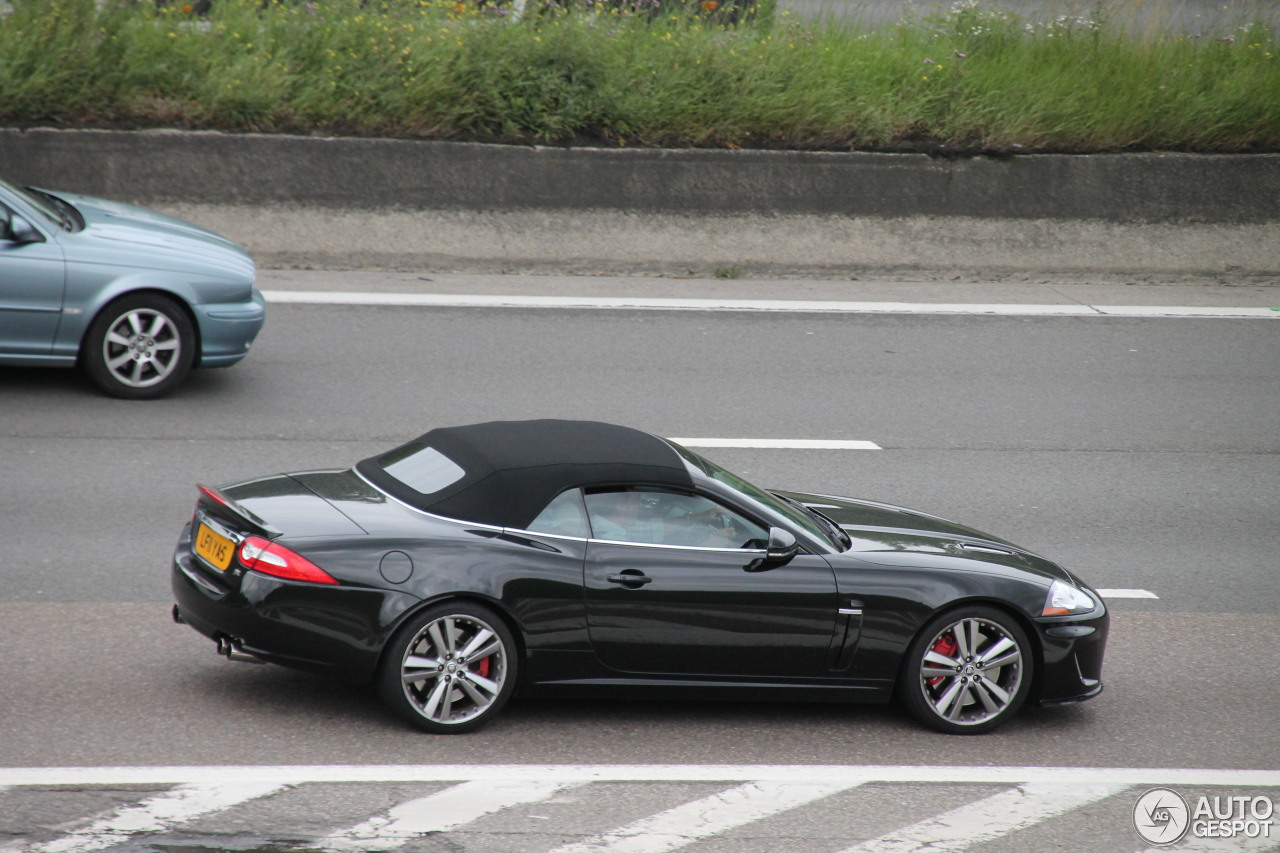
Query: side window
{"x": 564, "y": 516}
{"x": 663, "y": 517}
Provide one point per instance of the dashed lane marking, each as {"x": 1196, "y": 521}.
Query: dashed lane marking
{"x": 439, "y": 812}
{"x": 990, "y": 818}
{"x": 1032, "y": 795}
{"x": 452, "y": 300}
{"x": 780, "y": 443}
{"x": 159, "y": 813}
{"x": 709, "y": 816}
{"x": 1127, "y": 593}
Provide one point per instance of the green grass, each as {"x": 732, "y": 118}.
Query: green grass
{"x": 969, "y": 78}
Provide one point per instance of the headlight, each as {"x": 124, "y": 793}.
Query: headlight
{"x": 1066, "y": 600}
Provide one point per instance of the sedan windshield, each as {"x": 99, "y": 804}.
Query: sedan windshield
{"x": 43, "y": 203}
{"x": 790, "y": 510}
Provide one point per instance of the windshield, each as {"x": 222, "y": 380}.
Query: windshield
{"x": 793, "y": 512}
{"x": 42, "y": 203}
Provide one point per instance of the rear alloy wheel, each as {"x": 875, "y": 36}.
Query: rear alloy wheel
{"x": 451, "y": 669}
{"x": 139, "y": 347}
{"x": 968, "y": 671}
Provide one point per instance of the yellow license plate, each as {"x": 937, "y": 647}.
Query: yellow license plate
{"x": 214, "y": 547}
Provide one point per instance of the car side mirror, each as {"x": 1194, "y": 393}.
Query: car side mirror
{"x": 781, "y": 549}
{"x": 19, "y": 230}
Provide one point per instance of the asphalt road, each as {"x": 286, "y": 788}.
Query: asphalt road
{"x": 1141, "y": 453}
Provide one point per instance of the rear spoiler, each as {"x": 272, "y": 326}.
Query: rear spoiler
{"x": 218, "y": 498}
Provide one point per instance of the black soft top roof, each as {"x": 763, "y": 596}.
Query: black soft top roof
{"x": 512, "y": 469}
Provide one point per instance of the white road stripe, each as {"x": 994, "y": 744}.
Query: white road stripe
{"x": 1127, "y": 593}
{"x": 282, "y": 775}
{"x": 452, "y": 300}
{"x": 709, "y": 816}
{"x": 159, "y": 813}
{"x": 997, "y": 815}
{"x": 781, "y": 443}
{"x": 438, "y": 812}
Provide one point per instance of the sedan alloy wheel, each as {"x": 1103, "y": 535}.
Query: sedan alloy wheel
{"x": 139, "y": 347}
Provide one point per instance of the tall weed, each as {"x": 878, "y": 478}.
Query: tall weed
{"x": 616, "y": 72}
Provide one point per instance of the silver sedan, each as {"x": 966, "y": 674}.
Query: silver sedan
{"x": 135, "y": 298}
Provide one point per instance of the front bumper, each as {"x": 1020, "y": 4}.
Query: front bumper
{"x": 1072, "y": 658}
{"x": 228, "y": 330}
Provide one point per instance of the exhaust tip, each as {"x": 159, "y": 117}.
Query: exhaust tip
{"x": 230, "y": 648}
{"x": 177, "y": 615}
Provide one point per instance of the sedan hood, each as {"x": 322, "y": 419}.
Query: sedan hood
{"x": 145, "y": 238}
{"x": 894, "y": 535}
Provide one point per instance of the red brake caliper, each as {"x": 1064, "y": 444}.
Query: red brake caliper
{"x": 483, "y": 668}
{"x": 945, "y": 646}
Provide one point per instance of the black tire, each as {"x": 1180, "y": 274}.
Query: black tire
{"x": 450, "y": 669}
{"x": 949, "y": 682}
{"x": 139, "y": 347}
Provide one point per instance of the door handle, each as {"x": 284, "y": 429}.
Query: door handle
{"x": 630, "y": 578}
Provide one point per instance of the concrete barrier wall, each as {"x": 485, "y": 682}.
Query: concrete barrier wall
{"x": 440, "y": 205}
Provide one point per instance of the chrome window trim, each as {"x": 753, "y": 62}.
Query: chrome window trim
{"x": 411, "y": 508}
{"x": 524, "y": 532}
{"x": 679, "y": 547}
{"x": 519, "y": 531}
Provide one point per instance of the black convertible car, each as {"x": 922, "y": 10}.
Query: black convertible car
{"x": 585, "y": 558}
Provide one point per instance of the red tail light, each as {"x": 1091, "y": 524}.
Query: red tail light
{"x": 263, "y": 555}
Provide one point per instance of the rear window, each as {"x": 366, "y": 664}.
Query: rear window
{"x": 422, "y": 468}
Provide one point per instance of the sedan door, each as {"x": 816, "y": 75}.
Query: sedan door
{"x": 32, "y": 282}
{"x": 656, "y": 605}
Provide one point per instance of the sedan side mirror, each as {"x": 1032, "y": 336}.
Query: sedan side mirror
{"x": 19, "y": 230}
{"x": 782, "y": 547}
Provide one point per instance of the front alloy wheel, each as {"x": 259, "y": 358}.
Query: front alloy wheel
{"x": 450, "y": 669}
{"x": 139, "y": 347}
{"x": 967, "y": 671}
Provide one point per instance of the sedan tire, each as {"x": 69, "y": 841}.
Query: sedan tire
{"x": 450, "y": 669}
{"x": 967, "y": 671}
{"x": 139, "y": 347}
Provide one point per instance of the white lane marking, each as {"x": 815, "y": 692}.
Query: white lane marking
{"x": 159, "y": 813}
{"x": 837, "y": 773}
{"x": 781, "y": 443}
{"x": 1127, "y": 593}
{"x": 452, "y": 300}
{"x": 438, "y": 812}
{"x": 989, "y": 818}
{"x": 1186, "y": 311}
{"x": 709, "y": 816}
